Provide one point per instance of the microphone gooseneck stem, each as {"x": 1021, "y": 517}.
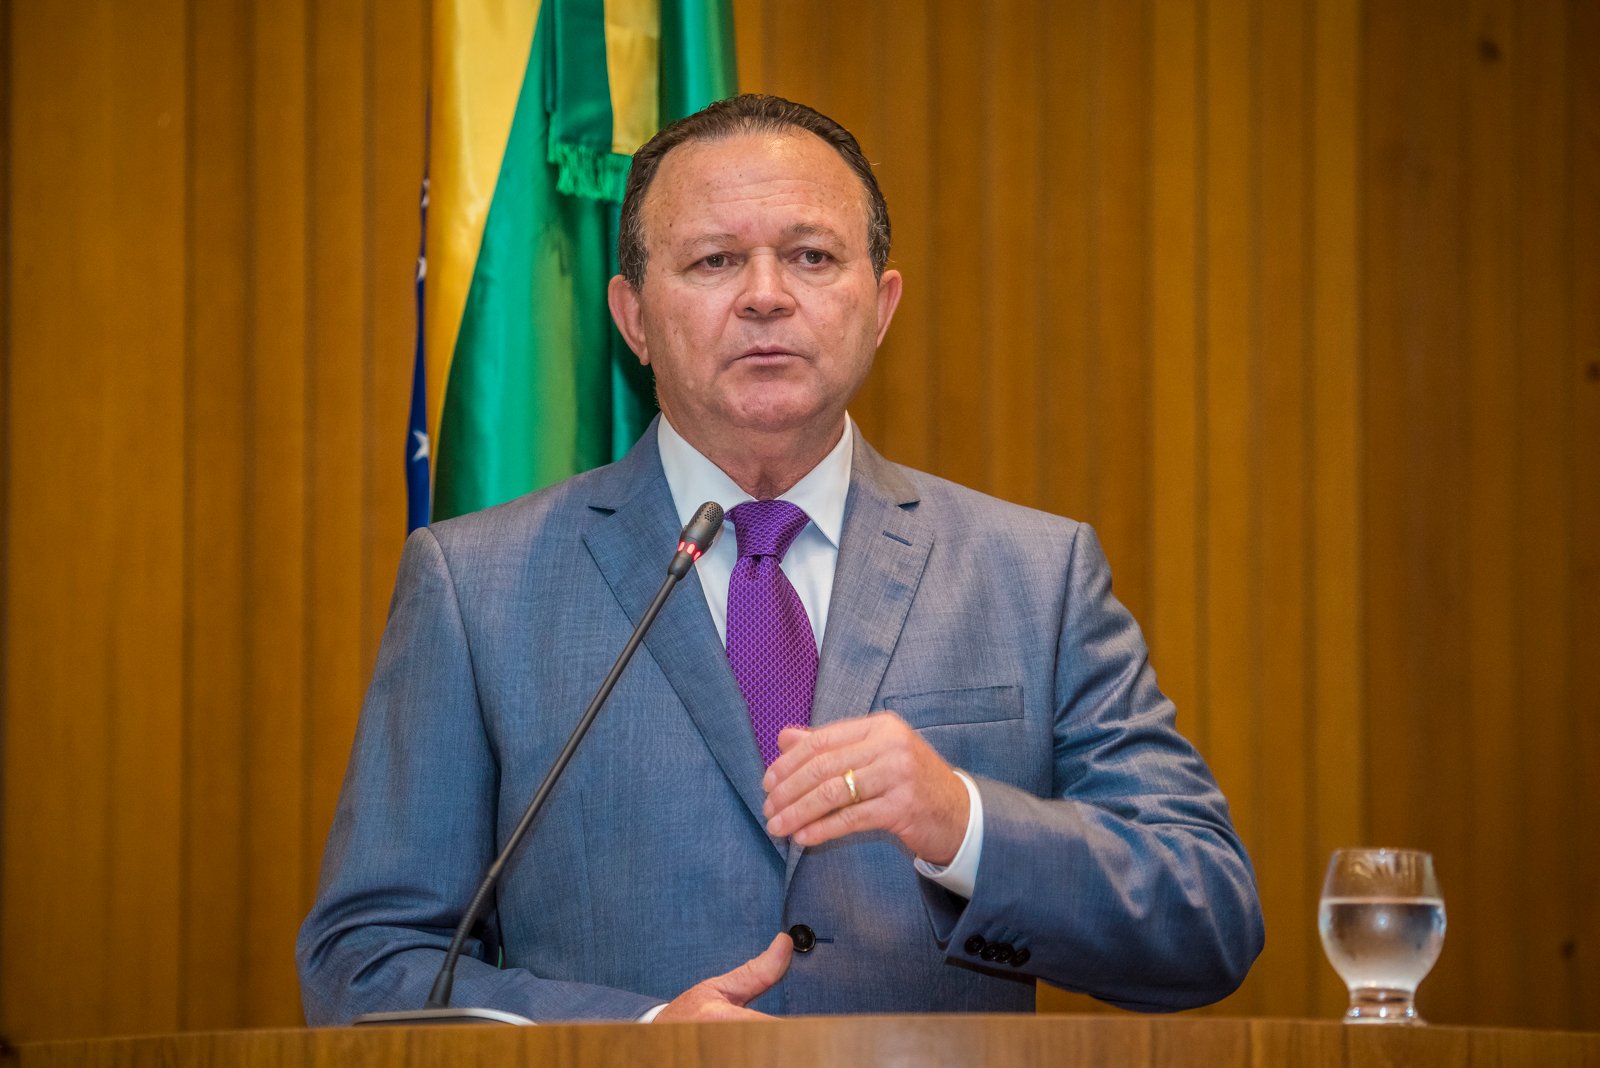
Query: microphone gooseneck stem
{"x": 439, "y": 997}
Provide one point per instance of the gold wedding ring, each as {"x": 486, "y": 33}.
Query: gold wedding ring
{"x": 850, "y": 781}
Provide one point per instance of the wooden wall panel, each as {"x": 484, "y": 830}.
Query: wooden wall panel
{"x": 217, "y": 204}
{"x": 1064, "y": 257}
{"x": 1491, "y": 382}
{"x": 196, "y": 503}
{"x": 1546, "y": 769}
{"x": 279, "y": 858}
{"x": 901, "y": 385}
{"x": 1282, "y": 609}
{"x": 94, "y": 657}
{"x": 1229, "y": 684}
{"x": 1583, "y": 463}
{"x": 1173, "y": 622}
{"x": 338, "y": 349}
{"x": 1298, "y": 303}
{"x": 1336, "y": 781}
{"x": 1011, "y": 285}
{"x": 1474, "y": 445}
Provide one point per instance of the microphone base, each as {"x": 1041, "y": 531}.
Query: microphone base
{"x": 413, "y": 1017}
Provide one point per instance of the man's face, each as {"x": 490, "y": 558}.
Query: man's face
{"x": 759, "y": 310}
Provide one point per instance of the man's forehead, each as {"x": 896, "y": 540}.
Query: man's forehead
{"x": 697, "y": 180}
{"x": 754, "y": 157}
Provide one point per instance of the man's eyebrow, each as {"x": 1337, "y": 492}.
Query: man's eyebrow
{"x": 797, "y": 230}
{"x": 694, "y": 240}
{"x": 813, "y": 230}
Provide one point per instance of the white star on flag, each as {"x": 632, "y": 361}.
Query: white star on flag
{"x": 422, "y": 446}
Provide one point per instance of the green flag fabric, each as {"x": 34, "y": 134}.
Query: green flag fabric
{"x": 539, "y": 384}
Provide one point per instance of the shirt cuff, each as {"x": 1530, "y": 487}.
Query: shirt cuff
{"x": 651, "y": 1014}
{"x": 961, "y": 874}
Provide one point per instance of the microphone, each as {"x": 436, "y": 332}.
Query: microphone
{"x": 696, "y": 538}
{"x": 692, "y": 544}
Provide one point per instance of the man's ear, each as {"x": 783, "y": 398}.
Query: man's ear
{"x": 888, "y": 301}
{"x": 627, "y": 313}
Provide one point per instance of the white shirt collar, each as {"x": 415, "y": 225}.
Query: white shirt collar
{"x": 693, "y": 480}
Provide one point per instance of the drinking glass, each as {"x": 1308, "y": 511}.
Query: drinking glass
{"x": 1382, "y": 925}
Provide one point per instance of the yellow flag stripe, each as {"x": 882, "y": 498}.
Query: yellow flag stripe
{"x": 481, "y": 50}
{"x": 633, "y": 51}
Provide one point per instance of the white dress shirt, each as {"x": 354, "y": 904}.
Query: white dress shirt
{"x": 809, "y": 565}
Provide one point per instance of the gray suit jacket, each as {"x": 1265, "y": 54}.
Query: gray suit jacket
{"x": 1108, "y": 853}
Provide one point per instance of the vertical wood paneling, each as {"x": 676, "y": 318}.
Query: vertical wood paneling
{"x": 1492, "y": 959}
{"x": 1230, "y": 685}
{"x": 143, "y": 431}
{"x": 897, "y": 402}
{"x": 1416, "y": 440}
{"x": 1299, "y": 303}
{"x": 1543, "y": 482}
{"x": 1582, "y": 948}
{"x": 749, "y": 33}
{"x": 1471, "y": 537}
{"x": 218, "y": 206}
{"x": 44, "y": 661}
{"x": 1336, "y": 783}
{"x": 338, "y": 341}
{"x": 162, "y": 621}
{"x": 1173, "y": 622}
{"x": 1119, "y": 391}
{"x": 1012, "y": 282}
{"x": 1289, "y": 887}
{"x": 94, "y": 574}
{"x": 961, "y": 396}
{"x": 1066, "y": 241}
{"x": 280, "y": 849}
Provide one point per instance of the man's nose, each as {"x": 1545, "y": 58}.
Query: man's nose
{"x": 766, "y": 289}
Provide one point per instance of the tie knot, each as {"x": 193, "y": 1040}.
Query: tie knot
{"x": 766, "y": 528}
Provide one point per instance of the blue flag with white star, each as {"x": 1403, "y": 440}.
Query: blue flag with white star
{"x": 418, "y": 503}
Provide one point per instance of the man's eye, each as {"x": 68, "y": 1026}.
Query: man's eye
{"x": 814, "y": 257}
{"x": 716, "y": 260}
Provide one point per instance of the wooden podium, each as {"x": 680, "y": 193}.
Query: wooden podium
{"x": 848, "y": 1042}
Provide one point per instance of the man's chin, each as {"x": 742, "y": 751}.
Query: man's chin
{"x": 778, "y": 420}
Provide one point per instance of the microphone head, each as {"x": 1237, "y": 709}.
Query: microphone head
{"x": 703, "y": 526}
{"x": 696, "y": 538}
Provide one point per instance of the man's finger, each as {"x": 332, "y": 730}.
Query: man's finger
{"x": 755, "y": 976}
{"x": 852, "y": 819}
{"x": 818, "y": 785}
{"x": 797, "y": 745}
{"x": 790, "y": 737}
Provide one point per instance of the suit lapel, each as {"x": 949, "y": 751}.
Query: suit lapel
{"x": 882, "y": 554}
{"x": 631, "y": 549}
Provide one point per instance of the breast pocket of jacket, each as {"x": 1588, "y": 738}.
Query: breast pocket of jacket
{"x": 978, "y": 729}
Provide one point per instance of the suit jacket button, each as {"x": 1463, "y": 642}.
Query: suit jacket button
{"x": 1020, "y": 957}
{"x": 1005, "y": 953}
{"x": 991, "y": 952}
{"x": 804, "y": 938}
{"x": 975, "y": 944}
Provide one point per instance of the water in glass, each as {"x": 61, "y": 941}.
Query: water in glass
{"x": 1382, "y": 923}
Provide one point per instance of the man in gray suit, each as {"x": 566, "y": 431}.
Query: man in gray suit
{"x": 903, "y": 723}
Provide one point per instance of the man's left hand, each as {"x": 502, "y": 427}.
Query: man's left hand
{"x": 903, "y": 787}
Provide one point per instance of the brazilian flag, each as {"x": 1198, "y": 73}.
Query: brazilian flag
{"x": 536, "y": 109}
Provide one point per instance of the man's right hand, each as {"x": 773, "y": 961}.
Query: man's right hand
{"x": 724, "y": 997}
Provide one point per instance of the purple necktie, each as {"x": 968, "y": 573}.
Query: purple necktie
{"x": 770, "y": 644}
